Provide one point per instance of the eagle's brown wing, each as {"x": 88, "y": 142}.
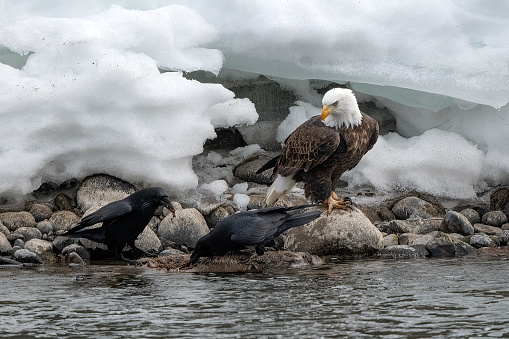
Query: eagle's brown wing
{"x": 308, "y": 146}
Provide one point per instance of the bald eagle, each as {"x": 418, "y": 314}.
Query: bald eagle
{"x": 320, "y": 150}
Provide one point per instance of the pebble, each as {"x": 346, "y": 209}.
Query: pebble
{"x": 26, "y": 256}
{"x": 29, "y": 233}
{"x": 15, "y": 220}
{"x": 40, "y": 212}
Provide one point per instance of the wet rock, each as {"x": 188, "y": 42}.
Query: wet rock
{"x": 499, "y": 199}
{"x": 4, "y": 230}
{"x": 399, "y": 252}
{"x": 59, "y": 243}
{"x": 5, "y": 245}
{"x": 262, "y": 133}
{"x": 455, "y": 222}
{"x": 101, "y": 190}
{"x": 26, "y": 256}
{"x": 390, "y": 240}
{"x": 80, "y": 250}
{"x": 404, "y": 208}
{"x": 243, "y": 261}
{"x": 494, "y": 218}
{"x": 504, "y": 237}
{"x": 74, "y": 258}
{"x": 218, "y": 214}
{"x": 187, "y": 227}
{"x": 407, "y": 238}
{"x": 63, "y": 202}
{"x": 246, "y": 170}
{"x": 148, "y": 241}
{"x": 482, "y": 240}
{"x": 463, "y": 249}
{"x": 437, "y": 243}
{"x": 170, "y": 251}
{"x": 29, "y": 233}
{"x": 43, "y": 248}
{"x": 63, "y": 220}
{"x": 341, "y": 233}
{"x": 15, "y": 220}
{"x": 96, "y": 250}
{"x": 472, "y": 215}
{"x": 493, "y": 252}
{"x": 45, "y": 226}
{"x": 415, "y": 225}
{"x": 19, "y": 243}
{"x": 40, "y": 212}
{"x": 490, "y": 230}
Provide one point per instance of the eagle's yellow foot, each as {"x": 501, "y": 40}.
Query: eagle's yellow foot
{"x": 336, "y": 202}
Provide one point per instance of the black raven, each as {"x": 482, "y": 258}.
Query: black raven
{"x": 123, "y": 220}
{"x": 250, "y": 229}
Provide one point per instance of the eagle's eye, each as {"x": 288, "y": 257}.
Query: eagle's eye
{"x": 336, "y": 103}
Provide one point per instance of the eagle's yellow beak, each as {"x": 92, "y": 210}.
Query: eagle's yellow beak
{"x": 325, "y": 112}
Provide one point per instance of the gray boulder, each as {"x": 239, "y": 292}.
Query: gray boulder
{"x": 494, "y": 218}
{"x": 472, "y": 215}
{"x": 407, "y": 238}
{"x": 63, "y": 220}
{"x": 246, "y": 171}
{"x": 148, "y": 241}
{"x": 399, "y": 252}
{"x": 25, "y": 256}
{"x": 80, "y": 250}
{"x": 29, "y": 233}
{"x": 341, "y": 233}
{"x": 440, "y": 244}
{"x": 218, "y": 214}
{"x": 455, "y": 222}
{"x": 482, "y": 240}
{"x": 504, "y": 237}
{"x": 408, "y": 206}
{"x": 390, "y": 240}
{"x": 40, "y": 212}
{"x": 186, "y": 228}
{"x": 59, "y": 243}
{"x": 45, "y": 226}
{"x": 101, "y": 190}
{"x": 43, "y": 248}
{"x": 490, "y": 230}
{"x": 262, "y": 133}
{"x": 414, "y": 224}
{"x": 5, "y": 245}
{"x": 15, "y": 220}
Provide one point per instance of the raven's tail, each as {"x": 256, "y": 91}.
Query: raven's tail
{"x": 297, "y": 220}
{"x": 95, "y": 234}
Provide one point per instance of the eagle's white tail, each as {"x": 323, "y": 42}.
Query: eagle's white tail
{"x": 279, "y": 187}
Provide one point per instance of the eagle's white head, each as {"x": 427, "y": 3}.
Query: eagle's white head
{"x": 340, "y": 108}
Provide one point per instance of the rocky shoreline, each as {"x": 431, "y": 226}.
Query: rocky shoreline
{"x": 410, "y": 226}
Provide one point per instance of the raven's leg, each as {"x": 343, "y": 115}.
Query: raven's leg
{"x": 336, "y": 202}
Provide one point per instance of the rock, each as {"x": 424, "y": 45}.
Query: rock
{"x": 437, "y": 243}
{"x": 26, "y": 256}
{"x": 43, "y": 248}
{"x": 505, "y": 226}
{"x": 80, "y": 250}
{"x": 187, "y": 227}
{"x": 341, "y": 233}
{"x": 63, "y": 220}
{"x": 15, "y": 220}
{"x": 96, "y": 250}
{"x": 494, "y": 218}
{"x": 482, "y": 240}
{"x": 493, "y": 252}
{"x": 13, "y": 236}
{"x": 385, "y": 213}
{"x": 170, "y": 251}
{"x": 45, "y": 226}
{"x": 371, "y": 213}
{"x": 59, "y": 243}
{"x": 148, "y": 241}
{"x": 29, "y": 233}
{"x": 290, "y": 199}
{"x": 499, "y": 199}
{"x": 4, "y": 229}
{"x": 472, "y": 215}
{"x": 74, "y": 258}
{"x": 455, "y": 222}
{"x": 414, "y": 225}
{"x": 404, "y": 208}
{"x": 19, "y": 243}
{"x": 407, "y": 238}
{"x": 399, "y": 252}
{"x": 63, "y": 202}
{"x": 218, "y": 214}
{"x": 101, "y": 190}
{"x": 237, "y": 262}
{"x": 246, "y": 170}
{"x": 390, "y": 240}
{"x": 40, "y": 212}
{"x": 225, "y": 138}
{"x": 490, "y": 230}
{"x": 504, "y": 237}
{"x": 463, "y": 249}
{"x": 262, "y": 133}
{"x": 5, "y": 245}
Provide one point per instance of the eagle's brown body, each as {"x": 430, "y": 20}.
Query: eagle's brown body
{"x": 318, "y": 155}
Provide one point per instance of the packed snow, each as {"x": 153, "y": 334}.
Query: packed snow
{"x": 81, "y": 90}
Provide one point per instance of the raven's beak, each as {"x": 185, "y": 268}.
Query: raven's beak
{"x": 167, "y": 203}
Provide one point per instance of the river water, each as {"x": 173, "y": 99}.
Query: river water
{"x": 359, "y": 298}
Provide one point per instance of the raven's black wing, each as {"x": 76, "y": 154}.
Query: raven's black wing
{"x": 250, "y": 228}
{"x": 106, "y": 213}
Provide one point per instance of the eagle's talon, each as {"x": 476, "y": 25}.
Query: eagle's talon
{"x": 336, "y": 202}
